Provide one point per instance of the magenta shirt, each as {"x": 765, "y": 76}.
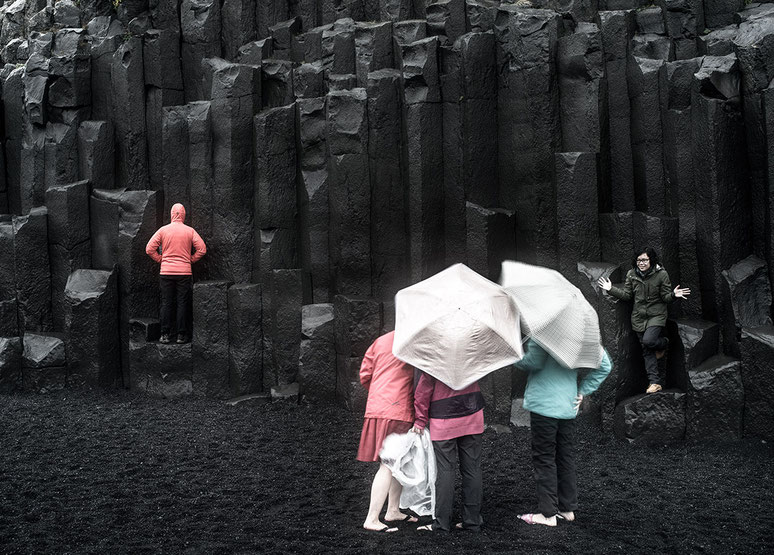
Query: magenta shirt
{"x": 428, "y": 390}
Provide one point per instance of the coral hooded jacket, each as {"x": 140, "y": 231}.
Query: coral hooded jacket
{"x": 389, "y": 381}
{"x": 176, "y": 240}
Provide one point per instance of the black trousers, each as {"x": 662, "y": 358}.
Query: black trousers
{"x": 651, "y": 342}
{"x": 553, "y": 456}
{"x": 175, "y": 300}
{"x": 468, "y": 450}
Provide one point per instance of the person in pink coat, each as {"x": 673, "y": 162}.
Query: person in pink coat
{"x": 389, "y": 410}
{"x": 456, "y": 423}
{"x": 180, "y": 247}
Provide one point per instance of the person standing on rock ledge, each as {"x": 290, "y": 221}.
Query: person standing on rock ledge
{"x": 648, "y": 284}
{"x": 177, "y": 241}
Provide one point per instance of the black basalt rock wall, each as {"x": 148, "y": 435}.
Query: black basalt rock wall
{"x": 331, "y": 152}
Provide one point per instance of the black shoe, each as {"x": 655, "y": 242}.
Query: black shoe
{"x": 182, "y": 338}
{"x": 164, "y": 338}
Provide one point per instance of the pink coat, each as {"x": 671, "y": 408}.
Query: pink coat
{"x": 176, "y": 240}
{"x": 389, "y": 381}
{"x": 430, "y": 390}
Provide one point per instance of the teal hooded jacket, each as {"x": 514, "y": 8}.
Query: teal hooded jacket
{"x": 552, "y": 388}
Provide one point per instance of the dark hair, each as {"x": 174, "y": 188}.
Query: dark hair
{"x": 652, "y": 254}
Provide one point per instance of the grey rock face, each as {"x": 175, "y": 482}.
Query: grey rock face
{"x": 161, "y": 370}
{"x": 658, "y": 417}
{"x": 749, "y": 294}
{"x": 245, "y": 339}
{"x": 317, "y": 354}
{"x": 44, "y": 364}
{"x": 210, "y": 339}
{"x": 32, "y": 271}
{"x": 94, "y": 354}
{"x": 757, "y": 347}
{"x": 10, "y": 364}
{"x": 715, "y": 400}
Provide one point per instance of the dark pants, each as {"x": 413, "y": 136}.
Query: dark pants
{"x": 553, "y": 456}
{"x": 651, "y": 342}
{"x": 446, "y": 454}
{"x": 175, "y": 300}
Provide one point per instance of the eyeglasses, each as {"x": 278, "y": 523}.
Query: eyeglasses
{"x": 643, "y": 260}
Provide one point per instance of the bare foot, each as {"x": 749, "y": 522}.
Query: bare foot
{"x": 425, "y": 528}
{"x": 382, "y": 528}
{"x": 399, "y": 517}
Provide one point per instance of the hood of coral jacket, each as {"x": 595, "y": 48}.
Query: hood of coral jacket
{"x": 177, "y": 214}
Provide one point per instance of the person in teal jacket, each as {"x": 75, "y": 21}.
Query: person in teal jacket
{"x": 553, "y": 397}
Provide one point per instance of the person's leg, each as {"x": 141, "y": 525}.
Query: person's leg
{"x": 544, "y": 460}
{"x": 184, "y": 285}
{"x": 380, "y": 488}
{"x": 470, "y": 468}
{"x": 445, "y": 462}
{"x": 651, "y": 342}
{"x": 565, "y": 468}
{"x": 167, "y": 289}
{"x": 394, "y": 513}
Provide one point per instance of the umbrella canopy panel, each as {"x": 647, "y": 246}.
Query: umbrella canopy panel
{"x": 457, "y": 326}
{"x": 554, "y": 313}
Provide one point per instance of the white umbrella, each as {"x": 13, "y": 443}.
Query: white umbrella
{"x": 554, "y": 313}
{"x": 457, "y": 326}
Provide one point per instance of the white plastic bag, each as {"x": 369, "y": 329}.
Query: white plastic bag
{"x": 411, "y": 459}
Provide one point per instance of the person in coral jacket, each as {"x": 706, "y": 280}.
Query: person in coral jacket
{"x": 456, "y": 422}
{"x": 389, "y": 410}
{"x": 177, "y": 241}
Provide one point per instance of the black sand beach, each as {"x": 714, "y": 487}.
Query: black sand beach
{"x": 114, "y": 472}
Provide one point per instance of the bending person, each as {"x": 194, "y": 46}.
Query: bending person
{"x": 648, "y": 284}
{"x": 456, "y": 422}
{"x": 553, "y": 398}
{"x": 389, "y": 410}
{"x": 176, "y": 240}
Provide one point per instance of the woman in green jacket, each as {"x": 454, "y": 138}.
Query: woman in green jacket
{"x": 648, "y": 284}
{"x": 553, "y": 397}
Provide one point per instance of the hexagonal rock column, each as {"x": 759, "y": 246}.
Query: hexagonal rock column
{"x": 275, "y": 193}
{"x": 529, "y": 129}
{"x": 235, "y": 99}
{"x": 282, "y": 327}
{"x": 423, "y": 119}
{"x": 245, "y": 338}
{"x": 657, "y": 417}
{"x": 446, "y": 18}
{"x": 69, "y": 245}
{"x": 161, "y": 370}
{"x": 757, "y": 348}
{"x": 317, "y": 356}
{"x": 386, "y": 148}
{"x": 349, "y": 192}
{"x": 201, "y": 33}
{"x": 210, "y": 339}
{"x": 722, "y": 195}
{"x": 469, "y": 91}
{"x": 749, "y": 294}
{"x": 31, "y": 268}
{"x": 276, "y": 83}
{"x": 93, "y": 349}
{"x": 11, "y": 364}
{"x": 358, "y": 323}
{"x": 496, "y": 389}
{"x": 96, "y": 152}
{"x": 313, "y": 195}
{"x": 106, "y": 37}
{"x": 490, "y": 239}
{"x": 9, "y": 325}
{"x": 618, "y": 28}
{"x": 576, "y": 211}
{"x": 715, "y": 400}
{"x": 126, "y": 76}
{"x": 44, "y": 363}
{"x": 238, "y": 25}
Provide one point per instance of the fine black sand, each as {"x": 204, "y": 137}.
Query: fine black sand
{"x": 113, "y": 472}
